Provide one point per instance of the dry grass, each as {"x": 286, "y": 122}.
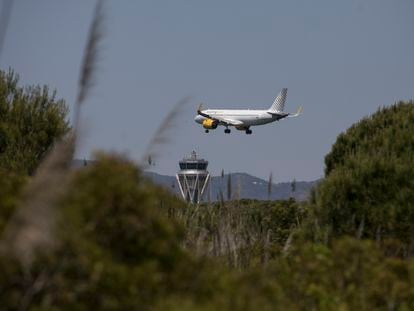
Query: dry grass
{"x": 90, "y": 60}
{"x": 164, "y": 133}
{"x": 32, "y": 226}
{"x": 224, "y": 231}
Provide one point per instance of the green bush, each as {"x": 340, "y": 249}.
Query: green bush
{"x": 10, "y": 189}
{"x": 368, "y": 189}
{"x": 118, "y": 249}
{"x": 31, "y": 119}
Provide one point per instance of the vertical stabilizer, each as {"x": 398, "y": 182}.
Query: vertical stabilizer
{"x": 279, "y": 103}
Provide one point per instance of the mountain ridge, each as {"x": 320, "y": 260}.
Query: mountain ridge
{"x": 243, "y": 186}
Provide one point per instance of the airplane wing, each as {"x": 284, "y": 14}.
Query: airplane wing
{"x": 222, "y": 120}
{"x": 298, "y": 112}
{"x": 228, "y": 121}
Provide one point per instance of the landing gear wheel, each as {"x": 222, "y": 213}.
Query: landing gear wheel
{"x": 207, "y": 131}
{"x": 227, "y": 131}
{"x": 248, "y": 132}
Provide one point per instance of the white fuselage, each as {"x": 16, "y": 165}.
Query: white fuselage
{"x": 243, "y": 119}
{"x": 247, "y": 117}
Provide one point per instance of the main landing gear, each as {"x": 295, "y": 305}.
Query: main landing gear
{"x": 249, "y": 132}
{"x": 227, "y": 131}
{"x": 207, "y": 131}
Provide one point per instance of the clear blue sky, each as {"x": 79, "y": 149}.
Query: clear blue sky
{"x": 341, "y": 60}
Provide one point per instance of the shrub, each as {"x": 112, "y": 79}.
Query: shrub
{"x": 369, "y": 186}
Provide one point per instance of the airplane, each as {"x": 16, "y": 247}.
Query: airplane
{"x": 242, "y": 120}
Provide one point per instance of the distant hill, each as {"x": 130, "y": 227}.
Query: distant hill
{"x": 250, "y": 187}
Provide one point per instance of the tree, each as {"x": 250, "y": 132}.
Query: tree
{"x": 31, "y": 119}
{"x": 269, "y": 186}
{"x": 368, "y": 189}
{"x": 293, "y": 185}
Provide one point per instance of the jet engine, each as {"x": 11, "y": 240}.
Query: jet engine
{"x": 210, "y": 124}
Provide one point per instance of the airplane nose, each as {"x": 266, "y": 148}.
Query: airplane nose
{"x": 199, "y": 119}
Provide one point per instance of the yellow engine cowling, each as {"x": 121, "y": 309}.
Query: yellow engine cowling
{"x": 210, "y": 124}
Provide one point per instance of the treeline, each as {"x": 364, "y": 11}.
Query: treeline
{"x": 120, "y": 242}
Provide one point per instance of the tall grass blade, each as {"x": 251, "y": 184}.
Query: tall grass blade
{"x": 90, "y": 60}
{"x": 163, "y": 135}
{"x": 5, "y": 14}
{"x": 360, "y": 229}
{"x": 229, "y": 187}
{"x": 288, "y": 244}
{"x": 31, "y": 228}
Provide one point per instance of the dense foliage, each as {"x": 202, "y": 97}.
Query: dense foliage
{"x": 30, "y": 120}
{"x": 241, "y": 233}
{"x": 385, "y": 134}
{"x": 126, "y": 243}
{"x": 368, "y": 189}
{"x": 10, "y": 189}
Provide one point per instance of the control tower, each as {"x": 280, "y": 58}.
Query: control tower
{"x": 193, "y": 178}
